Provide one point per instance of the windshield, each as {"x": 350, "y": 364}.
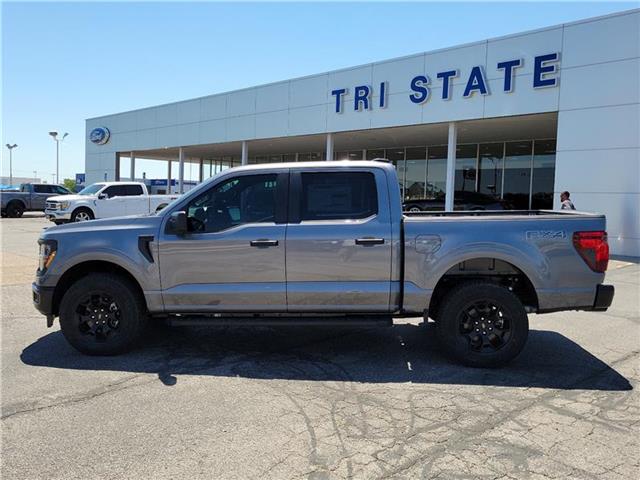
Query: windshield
{"x": 91, "y": 189}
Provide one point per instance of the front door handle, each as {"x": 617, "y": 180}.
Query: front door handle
{"x": 369, "y": 241}
{"x": 263, "y": 242}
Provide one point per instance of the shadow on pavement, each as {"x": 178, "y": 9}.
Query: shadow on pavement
{"x": 402, "y": 353}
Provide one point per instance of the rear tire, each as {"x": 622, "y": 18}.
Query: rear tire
{"x": 82, "y": 215}
{"x": 102, "y": 314}
{"x": 15, "y": 210}
{"x": 481, "y": 324}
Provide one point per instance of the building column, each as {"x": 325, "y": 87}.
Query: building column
{"x": 297, "y": 157}
{"x": 133, "y": 167}
{"x": 201, "y": 171}
{"x": 329, "y": 147}
{"x": 180, "y": 170}
{"x": 451, "y": 167}
{"x": 169, "y": 176}
{"x": 245, "y": 153}
{"x": 116, "y": 175}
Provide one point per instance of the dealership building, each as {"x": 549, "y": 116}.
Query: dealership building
{"x": 518, "y": 119}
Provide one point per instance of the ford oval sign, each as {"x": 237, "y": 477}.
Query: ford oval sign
{"x": 100, "y": 135}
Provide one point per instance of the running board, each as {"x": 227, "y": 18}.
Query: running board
{"x": 329, "y": 321}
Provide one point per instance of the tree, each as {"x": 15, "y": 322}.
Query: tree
{"x": 69, "y": 183}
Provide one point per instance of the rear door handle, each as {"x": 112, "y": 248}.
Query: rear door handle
{"x": 262, "y": 242}
{"x": 369, "y": 241}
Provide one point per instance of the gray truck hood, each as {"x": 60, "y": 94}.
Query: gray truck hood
{"x": 147, "y": 223}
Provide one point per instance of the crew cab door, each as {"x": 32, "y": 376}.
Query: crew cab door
{"x": 39, "y": 196}
{"x": 113, "y": 204}
{"x": 338, "y": 241}
{"x": 137, "y": 202}
{"x": 232, "y": 258}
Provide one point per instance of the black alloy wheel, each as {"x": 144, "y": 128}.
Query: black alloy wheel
{"x": 103, "y": 314}
{"x": 482, "y": 324}
{"x": 98, "y": 317}
{"x": 485, "y": 326}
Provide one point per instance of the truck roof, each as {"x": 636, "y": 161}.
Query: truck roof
{"x": 107, "y": 184}
{"x": 323, "y": 164}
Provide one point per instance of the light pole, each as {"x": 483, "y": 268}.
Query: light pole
{"x": 11, "y": 147}
{"x": 54, "y": 135}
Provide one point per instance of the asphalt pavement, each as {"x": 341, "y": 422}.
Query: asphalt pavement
{"x": 316, "y": 403}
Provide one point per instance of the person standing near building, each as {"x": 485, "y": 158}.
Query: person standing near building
{"x": 566, "y": 203}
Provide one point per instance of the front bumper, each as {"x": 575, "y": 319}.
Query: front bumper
{"x": 604, "y": 297}
{"x": 57, "y": 215}
{"x": 43, "y": 299}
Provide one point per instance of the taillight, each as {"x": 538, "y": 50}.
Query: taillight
{"x": 593, "y": 248}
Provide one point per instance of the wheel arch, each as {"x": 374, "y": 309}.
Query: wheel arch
{"x": 82, "y": 207}
{"x": 486, "y": 268}
{"x": 16, "y": 200}
{"x": 82, "y": 269}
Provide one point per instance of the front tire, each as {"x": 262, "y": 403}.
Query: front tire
{"x": 82, "y": 215}
{"x": 481, "y": 324}
{"x": 15, "y": 210}
{"x": 102, "y": 314}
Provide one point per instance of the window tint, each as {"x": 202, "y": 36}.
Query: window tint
{"x": 60, "y": 190}
{"x": 133, "y": 190}
{"x": 42, "y": 188}
{"x": 115, "y": 191}
{"x": 337, "y": 196}
{"x": 239, "y": 200}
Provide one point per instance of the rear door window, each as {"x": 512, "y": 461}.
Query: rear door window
{"x": 133, "y": 190}
{"x": 338, "y": 196}
{"x": 42, "y": 188}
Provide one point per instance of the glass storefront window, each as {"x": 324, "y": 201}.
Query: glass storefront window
{"x": 436, "y": 172}
{"x": 415, "y": 173}
{"x": 517, "y": 175}
{"x": 374, "y": 153}
{"x": 349, "y": 155}
{"x": 490, "y": 169}
{"x": 466, "y": 159}
{"x": 544, "y": 169}
{"x": 520, "y": 173}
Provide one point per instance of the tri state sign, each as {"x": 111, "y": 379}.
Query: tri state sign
{"x": 545, "y": 74}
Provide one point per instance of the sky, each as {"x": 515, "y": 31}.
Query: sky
{"x": 65, "y": 62}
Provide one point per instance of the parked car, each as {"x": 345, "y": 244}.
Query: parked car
{"x": 105, "y": 200}
{"x": 320, "y": 243}
{"x": 29, "y": 197}
{"x": 469, "y": 201}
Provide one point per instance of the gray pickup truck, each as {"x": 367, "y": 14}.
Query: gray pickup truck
{"x": 30, "y": 197}
{"x": 320, "y": 244}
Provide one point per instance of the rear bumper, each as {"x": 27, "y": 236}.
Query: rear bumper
{"x": 42, "y": 298}
{"x": 604, "y": 297}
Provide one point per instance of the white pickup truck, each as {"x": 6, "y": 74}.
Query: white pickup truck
{"x": 105, "y": 200}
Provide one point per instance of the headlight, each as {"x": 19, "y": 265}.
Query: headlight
{"x": 63, "y": 205}
{"x": 46, "y": 255}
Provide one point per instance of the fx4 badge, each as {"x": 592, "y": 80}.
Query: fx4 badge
{"x": 546, "y": 235}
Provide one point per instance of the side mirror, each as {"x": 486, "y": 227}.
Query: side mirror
{"x": 177, "y": 224}
{"x": 102, "y": 196}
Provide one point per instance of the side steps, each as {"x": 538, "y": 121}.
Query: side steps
{"x": 282, "y": 321}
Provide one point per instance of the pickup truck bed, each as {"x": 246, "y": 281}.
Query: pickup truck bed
{"x": 315, "y": 243}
